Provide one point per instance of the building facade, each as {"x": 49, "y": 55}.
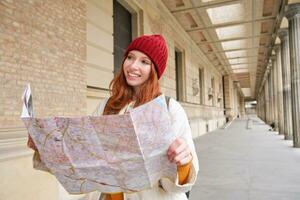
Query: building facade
{"x": 69, "y": 51}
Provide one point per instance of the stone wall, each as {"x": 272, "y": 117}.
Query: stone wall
{"x": 42, "y": 43}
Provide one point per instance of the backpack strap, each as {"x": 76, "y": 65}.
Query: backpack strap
{"x": 167, "y": 101}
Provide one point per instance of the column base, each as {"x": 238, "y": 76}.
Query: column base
{"x": 296, "y": 145}
{"x": 288, "y": 137}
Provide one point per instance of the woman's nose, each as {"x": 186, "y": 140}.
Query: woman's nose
{"x": 134, "y": 64}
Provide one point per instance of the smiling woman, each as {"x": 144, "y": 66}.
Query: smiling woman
{"x": 135, "y": 84}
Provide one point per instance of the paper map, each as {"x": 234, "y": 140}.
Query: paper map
{"x": 111, "y": 153}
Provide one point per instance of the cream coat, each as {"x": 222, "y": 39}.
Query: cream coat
{"x": 168, "y": 190}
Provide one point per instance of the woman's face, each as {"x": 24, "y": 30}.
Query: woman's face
{"x": 137, "y": 68}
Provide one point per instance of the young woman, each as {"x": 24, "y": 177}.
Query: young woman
{"x": 137, "y": 83}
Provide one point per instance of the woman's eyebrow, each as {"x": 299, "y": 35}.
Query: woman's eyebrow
{"x": 146, "y": 58}
{"x": 143, "y": 57}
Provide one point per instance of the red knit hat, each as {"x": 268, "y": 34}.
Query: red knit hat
{"x": 154, "y": 46}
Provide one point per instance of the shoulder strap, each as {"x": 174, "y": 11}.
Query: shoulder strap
{"x": 167, "y": 101}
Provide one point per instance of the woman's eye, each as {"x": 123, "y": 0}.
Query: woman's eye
{"x": 146, "y": 62}
{"x": 129, "y": 57}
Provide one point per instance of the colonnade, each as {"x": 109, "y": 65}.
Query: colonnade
{"x": 278, "y": 100}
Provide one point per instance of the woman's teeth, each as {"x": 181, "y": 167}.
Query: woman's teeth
{"x": 133, "y": 75}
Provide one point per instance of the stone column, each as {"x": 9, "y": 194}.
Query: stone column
{"x": 270, "y": 86}
{"x": 286, "y": 82}
{"x": 258, "y": 106}
{"x": 229, "y": 98}
{"x": 263, "y": 104}
{"x": 293, "y": 15}
{"x": 271, "y": 92}
{"x": 257, "y": 110}
{"x": 242, "y": 106}
{"x": 279, "y": 98}
{"x": 267, "y": 97}
{"x": 274, "y": 92}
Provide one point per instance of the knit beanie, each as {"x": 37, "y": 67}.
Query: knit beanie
{"x": 154, "y": 46}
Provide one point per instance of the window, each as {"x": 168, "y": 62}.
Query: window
{"x": 213, "y": 91}
{"x": 122, "y": 32}
{"x": 201, "y": 85}
{"x": 179, "y": 68}
{"x": 223, "y": 90}
{"x": 220, "y": 94}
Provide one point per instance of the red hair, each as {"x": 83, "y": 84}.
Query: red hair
{"x": 122, "y": 93}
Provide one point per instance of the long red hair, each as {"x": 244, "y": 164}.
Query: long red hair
{"x": 122, "y": 93}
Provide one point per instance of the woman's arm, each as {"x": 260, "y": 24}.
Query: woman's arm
{"x": 182, "y": 130}
{"x": 180, "y": 154}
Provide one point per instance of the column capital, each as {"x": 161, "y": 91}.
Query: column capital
{"x": 276, "y": 47}
{"x": 293, "y": 10}
{"x": 283, "y": 33}
{"x": 273, "y": 60}
{"x": 268, "y": 69}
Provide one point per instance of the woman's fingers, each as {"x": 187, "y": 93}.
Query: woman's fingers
{"x": 176, "y": 150}
{"x": 30, "y": 143}
{"x": 185, "y": 160}
{"x": 182, "y": 155}
{"x": 174, "y": 145}
{"x": 179, "y": 152}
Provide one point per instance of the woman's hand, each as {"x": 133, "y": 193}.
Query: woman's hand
{"x": 31, "y": 144}
{"x": 179, "y": 152}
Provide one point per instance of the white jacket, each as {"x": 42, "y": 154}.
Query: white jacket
{"x": 168, "y": 190}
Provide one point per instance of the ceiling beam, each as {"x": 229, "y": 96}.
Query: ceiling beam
{"x": 236, "y": 38}
{"x": 270, "y": 18}
{"x": 241, "y": 57}
{"x": 236, "y": 58}
{"x": 206, "y": 5}
{"x": 244, "y": 78}
{"x": 231, "y": 50}
{"x": 243, "y": 75}
{"x": 248, "y": 63}
{"x": 240, "y": 68}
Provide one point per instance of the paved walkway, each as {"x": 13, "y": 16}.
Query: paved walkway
{"x": 246, "y": 164}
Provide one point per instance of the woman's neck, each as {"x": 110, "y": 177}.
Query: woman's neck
{"x": 135, "y": 93}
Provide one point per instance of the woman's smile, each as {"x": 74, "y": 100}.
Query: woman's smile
{"x": 133, "y": 75}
